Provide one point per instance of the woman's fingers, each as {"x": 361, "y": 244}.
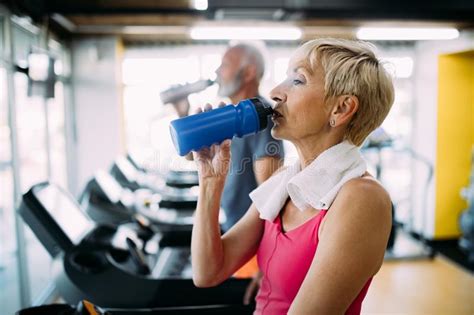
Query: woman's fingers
{"x": 224, "y": 149}
{"x": 216, "y": 153}
{"x": 207, "y": 107}
{"x": 213, "y": 150}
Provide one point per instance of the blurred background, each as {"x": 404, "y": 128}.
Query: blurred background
{"x": 80, "y": 85}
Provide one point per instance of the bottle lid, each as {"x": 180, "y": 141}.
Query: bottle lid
{"x": 263, "y": 111}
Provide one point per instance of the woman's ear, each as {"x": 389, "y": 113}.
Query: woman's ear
{"x": 343, "y": 111}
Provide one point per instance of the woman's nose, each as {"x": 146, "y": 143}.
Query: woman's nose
{"x": 277, "y": 94}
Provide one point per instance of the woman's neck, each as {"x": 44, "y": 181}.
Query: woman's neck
{"x": 309, "y": 149}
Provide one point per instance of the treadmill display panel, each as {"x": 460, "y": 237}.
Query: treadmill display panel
{"x": 66, "y": 212}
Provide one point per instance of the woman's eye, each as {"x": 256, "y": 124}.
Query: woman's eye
{"x": 297, "y": 82}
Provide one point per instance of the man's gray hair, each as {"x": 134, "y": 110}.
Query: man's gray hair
{"x": 252, "y": 55}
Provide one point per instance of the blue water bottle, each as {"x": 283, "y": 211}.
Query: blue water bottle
{"x": 205, "y": 129}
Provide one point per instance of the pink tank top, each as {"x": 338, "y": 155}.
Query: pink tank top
{"x": 284, "y": 259}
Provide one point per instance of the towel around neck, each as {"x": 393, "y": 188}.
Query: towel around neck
{"x": 315, "y": 186}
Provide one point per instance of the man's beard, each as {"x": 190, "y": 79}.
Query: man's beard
{"x": 230, "y": 88}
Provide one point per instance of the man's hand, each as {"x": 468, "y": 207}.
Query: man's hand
{"x": 181, "y": 107}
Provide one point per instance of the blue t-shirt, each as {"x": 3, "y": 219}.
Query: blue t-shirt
{"x": 241, "y": 178}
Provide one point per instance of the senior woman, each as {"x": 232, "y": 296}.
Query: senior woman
{"x": 319, "y": 227}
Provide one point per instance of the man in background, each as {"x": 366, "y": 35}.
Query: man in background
{"x": 255, "y": 157}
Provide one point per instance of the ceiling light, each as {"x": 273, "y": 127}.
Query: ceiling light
{"x": 405, "y": 33}
{"x": 245, "y": 33}
{"x": 200, "y": 5}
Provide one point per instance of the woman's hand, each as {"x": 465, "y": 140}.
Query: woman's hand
{"x": 213, "y": 163}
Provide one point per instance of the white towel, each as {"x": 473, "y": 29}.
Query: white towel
{"x": 315, "y": 186}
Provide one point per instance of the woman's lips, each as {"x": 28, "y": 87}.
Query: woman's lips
{"x": 276, "y": 115}
{"x": 277, "y": 119}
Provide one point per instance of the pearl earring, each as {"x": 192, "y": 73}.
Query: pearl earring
{"x": 332, "y": 122}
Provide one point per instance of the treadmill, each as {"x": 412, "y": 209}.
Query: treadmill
{"x": 107, "y": 202}
{"x": 87, "y": 264}
{"x": 178, "y": 189}
{"x": 87, "y": 308}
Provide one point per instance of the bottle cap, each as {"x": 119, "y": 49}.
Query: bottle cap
{"x": 263, "y": 111}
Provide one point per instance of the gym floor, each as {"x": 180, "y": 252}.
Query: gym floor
{"x": 418, "y": 284}
{"x": 430, "y": 286}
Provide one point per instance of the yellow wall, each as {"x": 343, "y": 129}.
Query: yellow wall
{"x": 455, "y": 139}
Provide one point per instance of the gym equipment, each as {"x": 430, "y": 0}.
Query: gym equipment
{"x": 128, "y": 173}
{"x": 87, "y": 308}
{"x": 378, "y": 141}
{"x": 182, "y": 179}
{"x": 169, "y": 214}
{"x": 106, "y": 201}
{"x": 86, "y": 264}
{"x": 177, "y": 191}
{"x": 466, "y": 220}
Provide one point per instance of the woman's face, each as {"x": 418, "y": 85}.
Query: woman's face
{"x": 300, "y": 106}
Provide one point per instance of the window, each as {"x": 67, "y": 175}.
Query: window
{"x": 41, "y": 149}
{"x": 23, "y": 42}
{"x": 57, "y": 137}
{"x": 147, "y": 72}
{"x": 56, "y": 118}
{"x": 9, "y": 280}
{"x": 397, "y": 159}
{"x": 32, "y": 127}
{"x": 1, "y": 36}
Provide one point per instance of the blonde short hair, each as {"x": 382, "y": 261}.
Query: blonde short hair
{"x": 351, "y": 68}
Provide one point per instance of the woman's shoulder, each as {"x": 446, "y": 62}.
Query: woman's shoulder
{"x": 363, "y": 195}
{"x": 363, "y": 187}
{"x": 361, "y": 202}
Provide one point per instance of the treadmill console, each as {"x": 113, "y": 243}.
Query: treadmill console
{"x": 125, "y": 173}
{"x": 55, "y": 217}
